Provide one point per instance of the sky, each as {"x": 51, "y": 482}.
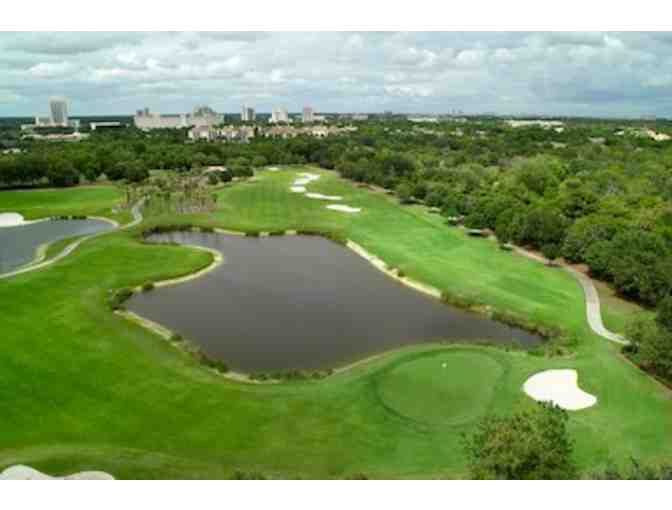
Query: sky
{"x": 553, "y": 73}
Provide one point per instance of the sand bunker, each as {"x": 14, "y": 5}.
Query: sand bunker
{"x": 273, "y": 169}
{"x": 20, "y": 472}
{"x": 320, "y": 196}
{"x": 344, "y": 208}
{"x": 11, "y": 219}
{"x": 559, "y": 387}
{"x": 299, "y": 185}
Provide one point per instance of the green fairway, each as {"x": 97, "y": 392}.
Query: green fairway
{"x": 84, "y": 201}
{"x": 82, "y": 388}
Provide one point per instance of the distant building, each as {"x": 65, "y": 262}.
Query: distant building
{"x": 105, "y": 125}
{"x": 58, "y": 108}
{"x": 545, "y": 124}
{"x": 422, "y": 118}
{"x": 248, "y": 114}
{"x": 58, "y": 117}
{"x": 307, "y": 115}
{"x": 203, "y": 116}
{"x": 204, "y": 111}
{"x": 279, "y": 115}
{"x": 202, "y": 133}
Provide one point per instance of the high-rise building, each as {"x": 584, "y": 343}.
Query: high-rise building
{"x": 279, "y": 115}
{"x": 307, "y": 115}
{"x": 58, "y": 108}
{"x": 248, "y": 114}
{"x": 204, "y": 111}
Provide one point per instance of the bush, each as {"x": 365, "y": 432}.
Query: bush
{"x": 177, "y": 338}
{"x": 465, "y": 302}
{"x": 216, "y": 364}
{"x": 252, "y": 233}
{"x": 529, "y": 445}
{"x": 118, "y": 298}
{"x": 147, "y": 286}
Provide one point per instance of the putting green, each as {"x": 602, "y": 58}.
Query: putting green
{"x": 456, "y": 387}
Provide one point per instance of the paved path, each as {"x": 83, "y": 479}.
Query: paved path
{"x": 137, "y": 218}
{"x": 593, "y": 310}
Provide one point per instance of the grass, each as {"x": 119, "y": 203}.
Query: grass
{"x": 81, "y": 388}
{"x": 616, "y": 311}
{"x": 85, "y": 200}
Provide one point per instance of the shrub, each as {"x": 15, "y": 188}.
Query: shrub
{"x": 147, "y": 286}
{"x": 466, "y": 302}
{"x": 176, "y": 337}
{"x": 526, "y": 446}
{"x": 216, "y": 364}
{"x": 252, "y": 233}
{"x": 118, "y": 298}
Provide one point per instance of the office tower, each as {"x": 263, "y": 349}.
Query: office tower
{"x": 279, "y": 115}
{"x": 58, "y": 108}
{"x": 248, "y": 114}
{"x": 307, "y": 114}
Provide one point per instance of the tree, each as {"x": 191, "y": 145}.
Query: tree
{"x": 135, "y": 171}
{"x": 664, "y": 316}
{"x": 651, "y": 346}
{"x": 551, "y": 251}
{"x": 531, "y": 444}
{"x": 405, "y": 193}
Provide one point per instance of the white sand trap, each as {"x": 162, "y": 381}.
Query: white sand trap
{"x": 298, "y": 189}
{"x": 320, "y": 196}
{"x": 344, "y": 208}
{"x": 273, "y": 169}
{"x": 20, "y": 472}
{"x": 305, "y": 179}
{"x": 308, "y": 175}
{"x": 11, "y": 219}
{"x": 559, "y": 387}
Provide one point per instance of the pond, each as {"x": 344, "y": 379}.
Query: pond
{"x": 303, "y": 302}
{"x": 18, "y": 244}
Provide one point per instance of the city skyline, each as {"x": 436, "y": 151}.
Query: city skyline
{"x": 572, "y": 73}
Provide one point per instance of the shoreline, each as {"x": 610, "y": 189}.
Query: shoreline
{"x": 219, "y": 258}
{"x": 36, "y": 265}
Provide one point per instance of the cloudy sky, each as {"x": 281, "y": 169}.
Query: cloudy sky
{"x": 554, "y": 73}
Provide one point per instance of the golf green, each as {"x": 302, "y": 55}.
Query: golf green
{"x": 454, "y": 386}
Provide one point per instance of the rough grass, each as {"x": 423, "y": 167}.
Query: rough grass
{"x": 85, "y": 200}
{"x": 81, "y": 388}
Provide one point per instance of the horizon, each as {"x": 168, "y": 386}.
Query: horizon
{"x": 570, "y": 74}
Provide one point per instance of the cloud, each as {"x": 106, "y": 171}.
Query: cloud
{"x": 51, "y": 70}
{"x": 506, "y": 72}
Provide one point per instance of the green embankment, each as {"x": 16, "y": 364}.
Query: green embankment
{"x": 81, "y": 388}
{"x": 78, "y": 201}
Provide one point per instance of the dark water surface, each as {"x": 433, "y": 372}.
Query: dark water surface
{"x": 303, "y": 302}
{"x": 18, "y": 244}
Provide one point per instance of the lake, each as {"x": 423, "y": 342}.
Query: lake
{"x": 303, "y": 302}
{"x": 18, "y": 244}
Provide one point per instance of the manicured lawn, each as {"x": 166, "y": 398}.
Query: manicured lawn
{"x": 86, "y": 200}
{"x": 81, "y": 388}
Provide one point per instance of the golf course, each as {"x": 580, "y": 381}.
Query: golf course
{"x": 82, "y": 388}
